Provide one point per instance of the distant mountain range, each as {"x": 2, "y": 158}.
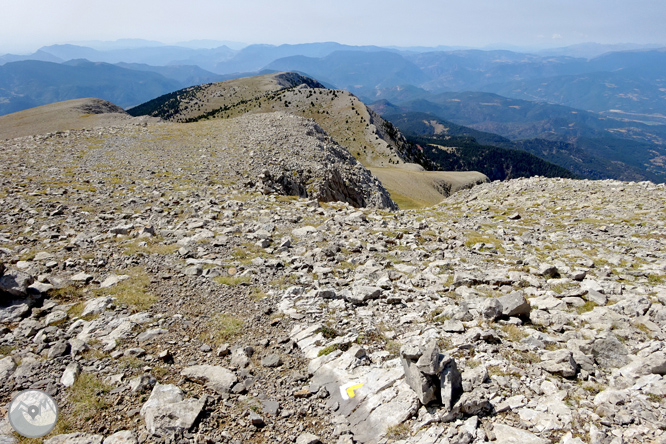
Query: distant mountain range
{"x": 630, "y": 82}
{"x": 599, "y": 114}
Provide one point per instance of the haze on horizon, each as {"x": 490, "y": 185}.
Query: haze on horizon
{"x": 27, "y": 25}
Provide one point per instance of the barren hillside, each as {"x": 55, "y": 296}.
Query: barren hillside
{"x": 158, "y": 282}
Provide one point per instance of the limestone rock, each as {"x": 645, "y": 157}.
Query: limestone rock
{"x": 307, "y": 438}
{"x": 218, "y": 378}
{"x": 433, "y": 376}
{"x": 70, "y": 374}
{"x": 14, "y": 283}
{"x": 515, "y": 304}
{"x": 608, "y": 351}
{"x": 559, "y": 362}
{"x": 122, "y": 437}
{"x": 505, "y": 434}
{"x": 7, "y": 367}
{"x": 75, "y": 438}
{"x": 167, "y": 411}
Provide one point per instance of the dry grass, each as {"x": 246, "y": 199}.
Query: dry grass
{"x": 398, "y": 432}
{"x": 232, "y": 281}
{"x": 132, "y": 292}
{"x": 149, "y": 245}
{"x": 224, "y": 327}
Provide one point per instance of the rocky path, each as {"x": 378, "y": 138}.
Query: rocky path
{"x": 163, "y": 291}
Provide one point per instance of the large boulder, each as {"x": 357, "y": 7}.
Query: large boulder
{"x": 432, "y": 375}
{"x": 14, "y": 284}
{"x": 218, "y": 378}
{"x": 515, "y": 304}
{"x": 608, "y": 351}
{"x": 167, "y": 410}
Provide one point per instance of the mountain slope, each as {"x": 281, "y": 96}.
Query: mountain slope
{"x": 74, "y": 114}
{"x": 28, "y": 84}
{"x": 452, "y": 147}
{"x": 366, "y": 135}
{"x": 369, "y": 138}
{"x": 587, "y": 144}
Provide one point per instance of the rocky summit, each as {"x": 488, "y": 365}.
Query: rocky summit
{"x": 246, "y": 280}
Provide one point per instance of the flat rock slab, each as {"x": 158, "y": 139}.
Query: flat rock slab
{"x": 167, "y": 411}
{"x": 122, "y": 437}
{"x": 218, "y": 378}
{"x": 371, "y": 399}
{"x": 75, "y": 438}
{"x": 510, "y": 435}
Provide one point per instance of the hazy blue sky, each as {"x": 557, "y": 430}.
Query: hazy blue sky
{"x": 26, "y": 25}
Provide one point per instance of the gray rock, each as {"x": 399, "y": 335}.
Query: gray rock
{"x": 122, "y": 229}
{"x": 55, "y": 317}
{"x": 491, "y": 309}
{"x": 609, "y": 352}
{"x": 112, "y": 280}
{"x": 8, "y": 439}
{"x": 218, "y": 378}
{"x": 362, "y": 294}
{"x": 474, "y": 403}
{"x": 151, "y": 334}
{"x": 14, "y": 283}
{"x": 60, "y": 348}
{"x": 474, "y": 377}
{"x": 77, "y": 346}
{"x": 166, "y": 411}
{"x": 82, "y": 277}
{"x": 559, "y": 362}
{"x": 272, "y": 360}
{"x": 142, "y": 383}
{"x": 307, "y": 438}
{"x": 70, "y": 374}
{"x": 596, "y": 297}
{"x": 271, "y": 407}
{"x": 256, "y": 419}
{"x": 505, "y": 434}
{"x": 14, "y": 313}
{"x": 75, "y": 438}
{"x": 97, "y": 306}
{"x": 304, "y": 231}
{"x": 194, "y": 270}
{"x": 655, "y": 363}
{"x": 40, "y": 287}
{"x": 122, "y": 437}
{"x": 548, "y": 271}
{"x": 434, "y": 377}
{"x": 7, "y": 367}
{"x": 515, "y": 304}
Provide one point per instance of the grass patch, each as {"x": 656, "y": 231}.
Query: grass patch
{"x": 149, "y": 245}
{"x": 588, "y": 306}
{"x": 393, "y": 347}
{"x": 328, "y": 332}
{"x": 6, "y": 350}
{"x": 232, "y": 281}
{"x": 474, "y": 237}
{"x": 328, "y": 350}
{"x": 397, "y": 432}
{"x": 68, "y": 293}
{"x": 86, "y": 396}
{"x": 656, "y": 279}
{"x": 131, "y": 362}
{"x": 132, "y": 292}
{"x": 513, "y": 332}
{"x": 225, "y": 327}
